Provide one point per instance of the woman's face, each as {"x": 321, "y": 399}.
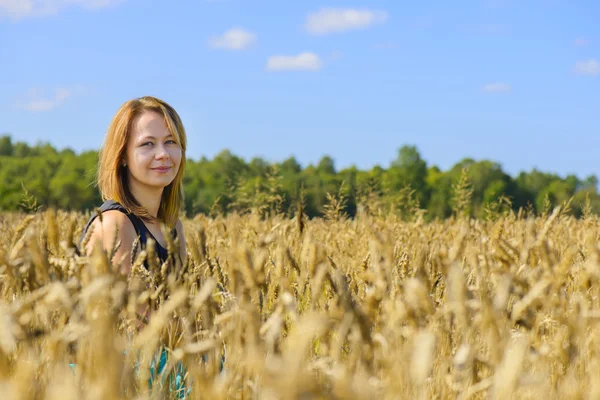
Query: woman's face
{"x": 153, "y": 155}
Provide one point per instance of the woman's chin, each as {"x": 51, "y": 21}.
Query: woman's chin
{"x": 159, "y": 183}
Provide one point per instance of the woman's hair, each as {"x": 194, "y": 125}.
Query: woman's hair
{"x": 112, "y": 176}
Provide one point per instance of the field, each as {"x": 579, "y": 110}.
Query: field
{"x": 278, "y": 308}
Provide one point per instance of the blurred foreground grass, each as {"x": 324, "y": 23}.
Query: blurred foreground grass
{"x": 373, "y": 307}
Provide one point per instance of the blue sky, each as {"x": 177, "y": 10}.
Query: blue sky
{"x": 517, "y": 82}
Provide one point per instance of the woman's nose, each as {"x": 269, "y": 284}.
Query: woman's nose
{"x": 161, "y": 152}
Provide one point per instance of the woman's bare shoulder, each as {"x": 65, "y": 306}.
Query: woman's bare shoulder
{"x": 112, "y": 219}
{"x": 104, "y": 230}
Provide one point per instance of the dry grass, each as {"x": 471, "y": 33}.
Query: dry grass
{"x": 346, "y": 309}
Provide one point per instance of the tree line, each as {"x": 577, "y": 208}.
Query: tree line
{"x": 41, "y": 176}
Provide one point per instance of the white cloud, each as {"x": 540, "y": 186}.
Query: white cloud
{"x": 581, "y": 42}
{"x": 589, "y": 67}
{"x": 17, "y": 9}
{"x": 496, "y": 87}
{"x": 233, "y": 39}
{"x": 335, "y": 20}
{"x": 36, "y": 101}
{"x": 301, "y": 62}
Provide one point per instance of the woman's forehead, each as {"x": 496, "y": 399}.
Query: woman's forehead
{"x": 150, "y": 123}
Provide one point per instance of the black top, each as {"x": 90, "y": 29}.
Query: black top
{"x": 140, "y": 228}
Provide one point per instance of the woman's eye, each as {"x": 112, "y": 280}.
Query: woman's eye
{"x": 147, "y": 143}
{"x": 171, "y": 142}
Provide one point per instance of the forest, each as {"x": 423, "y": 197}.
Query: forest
{"x": 39, "y": 176}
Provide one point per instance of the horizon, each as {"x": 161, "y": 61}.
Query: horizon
{"x": 516, "y": 84}
{"x": 314, "y": 164}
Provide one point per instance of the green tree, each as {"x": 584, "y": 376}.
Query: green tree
{"x": 6, "y": 146}
{"x": 326, "y": 166}
{"x": 408, "y": 170}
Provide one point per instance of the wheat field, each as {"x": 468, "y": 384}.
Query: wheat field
{"x": 276, "y": 308}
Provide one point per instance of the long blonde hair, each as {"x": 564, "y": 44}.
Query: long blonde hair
{"x": 112, "y": 176}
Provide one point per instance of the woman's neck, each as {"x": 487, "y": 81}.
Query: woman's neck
{"x": 147, "y": 197}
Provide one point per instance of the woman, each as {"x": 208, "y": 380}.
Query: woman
{"x": 140, "y": 176}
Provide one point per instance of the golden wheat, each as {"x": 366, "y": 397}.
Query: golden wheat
{"x": 273, "y": 308}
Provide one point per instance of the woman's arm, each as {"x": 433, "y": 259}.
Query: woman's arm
{"x": 104, "y": 233}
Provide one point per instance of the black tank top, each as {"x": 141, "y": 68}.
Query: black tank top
{"x": 140, "y": 229}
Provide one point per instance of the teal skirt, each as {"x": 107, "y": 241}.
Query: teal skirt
{"x": 176, "y": 379}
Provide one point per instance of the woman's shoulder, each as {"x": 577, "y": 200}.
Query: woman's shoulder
{"x": 112, "y": 214}
{"x": 115, "y": 218}
{"x": 110, "y": 205}
{"x": 108, "y": 224}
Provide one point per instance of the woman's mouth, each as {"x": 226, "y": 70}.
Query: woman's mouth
{"x": 161, "y": 169}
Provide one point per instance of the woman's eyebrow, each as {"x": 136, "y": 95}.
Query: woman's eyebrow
{"x": 170, "y": 135}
